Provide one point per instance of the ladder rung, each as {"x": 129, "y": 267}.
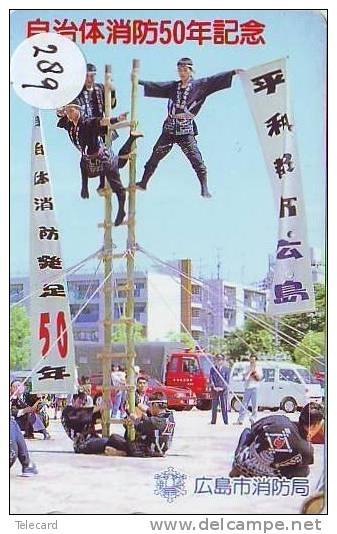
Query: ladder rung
{"x": 111, "y": 256}
{"x": 106, "y": 191}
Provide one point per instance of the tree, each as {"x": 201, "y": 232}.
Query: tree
{"x": 304, "y": 356}
{"x": 119, "y": 332}
{"x": 217, "y": 344}
{"x": 259, "y": 334}
{"x": 297, "y": 325}
{"x": 19, "y": 338}
{"x": 182, "y": 337}
{"x": 252, "y": 339}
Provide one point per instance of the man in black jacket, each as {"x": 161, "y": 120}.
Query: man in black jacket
{"x": 185, "y": 99}
{"x": 275, "y": 446}
{"x": 92, "y": 98}
{"x": 154, "y": 432}
{"x": 87, "y": 134}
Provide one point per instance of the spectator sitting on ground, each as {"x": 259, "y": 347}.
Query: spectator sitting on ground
{"x": 26, "y": 416}
{"x": 275, "y": 446}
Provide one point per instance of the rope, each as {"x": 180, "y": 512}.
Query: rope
{"x": 70, "y": 270}
{"x": 59, "y": 337}
{"x": 205, "y": 354}
{"x": 262, "y": 323}
{"x": 285, "y": 337}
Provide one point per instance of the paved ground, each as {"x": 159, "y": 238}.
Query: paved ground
{"x": 73, "y": 483}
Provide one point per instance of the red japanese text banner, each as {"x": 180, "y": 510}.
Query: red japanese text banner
{"x": 267, "y": 90}
{"x": 52, "y": 345}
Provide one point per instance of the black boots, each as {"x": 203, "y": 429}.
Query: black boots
{"x": 121, "y": 211}
{"x": 204, "y": 189}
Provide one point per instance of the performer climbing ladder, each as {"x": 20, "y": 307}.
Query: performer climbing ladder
{"x": 97, "y": 160}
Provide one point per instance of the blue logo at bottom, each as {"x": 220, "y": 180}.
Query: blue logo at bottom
{"x": 170, "y": 484}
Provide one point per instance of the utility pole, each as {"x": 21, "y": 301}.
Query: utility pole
{"x": 131, "y": 247}
{"x": 107, "y": 261}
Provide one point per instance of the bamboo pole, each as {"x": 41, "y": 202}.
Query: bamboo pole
{"x": 131, "y": 241}
{"x": 107, "y": 260}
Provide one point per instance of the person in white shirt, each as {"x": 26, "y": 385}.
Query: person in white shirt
{"x": 252, "y": 379}
{"x": 118, "y": 379}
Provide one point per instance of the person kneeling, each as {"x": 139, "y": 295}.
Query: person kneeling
{"x": 154, "y": 432}
{"x": 275, "y": 446}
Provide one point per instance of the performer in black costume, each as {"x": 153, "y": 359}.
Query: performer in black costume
{"x": 154, "y": 432}
{"x": 186, "y": 98}
{"x": 97, "y": 160}
{"x": 91, "y": 98}
{"x": 275, "y": 446}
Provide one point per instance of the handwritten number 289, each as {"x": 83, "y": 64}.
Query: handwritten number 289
{"x": 46, "y": 67}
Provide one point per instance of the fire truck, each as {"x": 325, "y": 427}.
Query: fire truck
{"x": 175, "y": 366}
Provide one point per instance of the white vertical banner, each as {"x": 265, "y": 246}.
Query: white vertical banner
{"x": 52, "y": 345}
{"x": 267, "y": 91}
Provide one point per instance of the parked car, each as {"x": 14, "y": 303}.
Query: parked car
{"x": 285, "y": 385}
{"x": 177, "y": 398}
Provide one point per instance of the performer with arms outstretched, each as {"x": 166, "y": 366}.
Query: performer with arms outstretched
{"x": 186, "y": 98}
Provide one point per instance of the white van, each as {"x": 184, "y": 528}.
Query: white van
{"x": 285, "y": 385}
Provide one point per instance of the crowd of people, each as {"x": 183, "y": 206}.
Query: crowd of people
{"x": 272, "y": 446}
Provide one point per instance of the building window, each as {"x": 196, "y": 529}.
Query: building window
{"x": 140, "y": 285}
{"x": 196, "y": 335}
{"x": 196, "y": 290}
{"x": 229, "y": 316}
{"x": 229, "y": 296}
{"x": 196, "y": 312}
{"x": 82, "y": 289}
{"x": 139, "y": 311}
{"x": 90, "y": 334}
{"x": 255, "y": 300}
{"x": 118, "y": 311}
{"x": 90, "y": 314}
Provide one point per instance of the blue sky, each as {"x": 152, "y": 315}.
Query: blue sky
{"x": 239, "y": 223}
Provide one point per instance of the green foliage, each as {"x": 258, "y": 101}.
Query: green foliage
{"x": 255, "y": 337}
{"x": 304, "y": 322}
{"x": 182, "y": 337}
{"x": 314, "y": 341}
{"x": 252, "y": 339}
{"x": 119, "y": 333}
{"x": 19, "y": 338}
{"x": 216, "y": 344}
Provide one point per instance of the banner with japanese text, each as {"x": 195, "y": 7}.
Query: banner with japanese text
{"x": 267, "y": 90}
{"x": 52, "y": 345}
